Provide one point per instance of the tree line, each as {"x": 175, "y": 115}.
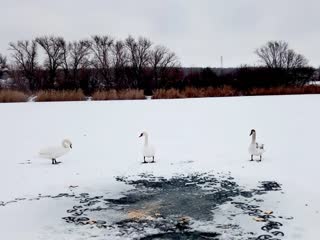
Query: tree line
{"x": 103, "y": 62}
{"x": 97, "y": 63}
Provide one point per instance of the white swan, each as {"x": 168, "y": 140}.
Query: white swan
{"x": 148, "y": 150}
{"x": 254, "y": 148}
{"x": 54, "y": 152}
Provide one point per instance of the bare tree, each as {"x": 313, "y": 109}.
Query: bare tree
{"x": 276, "y": 54}
{"x": 101, "y": 47}
{"x": 99, "y": 62}
{"x": 139, "y": 57}
{"x": 78, "y": 57}
{"x": 54, "y": 48}
{"x": 25, "y": 56}
{"x": 3, "y": 61}
{"x": 120, "y": 62}
{"x": 294, "y": 60}
{"x": 161, "y": 59}
{"x": 65, "y": 61}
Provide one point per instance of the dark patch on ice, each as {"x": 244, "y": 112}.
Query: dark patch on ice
{"x": 270, "y": 186}
{"x": 170, "y": 206}
{"x": 270, "y": 224}
{"x": 183, "y": 236}
{"x": 193, "y": 195}
{"x": 160, "y": 203}
{"x": 39, "y": 197}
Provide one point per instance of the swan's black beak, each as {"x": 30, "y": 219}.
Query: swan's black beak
{"x": 70, "y": 145}
{"x": 250, "y": 134}
{"x": 141, "y": 135}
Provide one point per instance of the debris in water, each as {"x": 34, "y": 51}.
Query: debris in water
{"x": 257, "y": 219}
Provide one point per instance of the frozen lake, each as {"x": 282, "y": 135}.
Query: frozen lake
{"x": 202, "y": 186}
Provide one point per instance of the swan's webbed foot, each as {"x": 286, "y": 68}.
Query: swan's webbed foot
{"x": 144, "y": 160}
{"x": 153, "y": 160}
{"x": 54, "y": 161}
{"x": 251, "y": 158}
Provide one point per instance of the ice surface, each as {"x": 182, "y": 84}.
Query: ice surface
{"x": 192, "y": 135}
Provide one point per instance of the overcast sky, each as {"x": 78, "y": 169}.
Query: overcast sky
{"x": 199, "y": 31}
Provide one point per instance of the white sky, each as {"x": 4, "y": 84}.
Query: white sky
{"x": 199, "y": 31}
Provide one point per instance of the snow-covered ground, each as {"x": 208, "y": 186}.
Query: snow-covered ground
{"x": 190, "y": 135}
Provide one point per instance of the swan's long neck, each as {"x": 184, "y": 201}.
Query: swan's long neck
{"x": 253, "y": 141}
{"x": 146, "y": 139}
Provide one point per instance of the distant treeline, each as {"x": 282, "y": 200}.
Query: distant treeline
{"x": 104, "y": 63}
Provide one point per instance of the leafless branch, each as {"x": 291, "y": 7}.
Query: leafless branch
{"x": 54, "y": 48}
{"x": 276, "y": 54}
{"x": 25, "y": 55}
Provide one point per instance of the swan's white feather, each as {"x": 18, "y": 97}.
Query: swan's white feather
{"x": 254, "y": 150}
{"x": 57, "y": 151}
{"x": 148, "y": 151}
{"x": 53, "y": 152}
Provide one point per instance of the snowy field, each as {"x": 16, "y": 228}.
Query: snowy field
{"x": 193, "y": 137}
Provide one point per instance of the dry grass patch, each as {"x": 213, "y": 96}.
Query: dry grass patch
{"x": 12, "y": 96}
{"x": 131, "y": 94}
{"x": 285, "y": 90}
{"x": 225, "y": 91}
{"x": 228, "y": 91}
{"x": 55, "y": 96}
{"x": 167, "y": 94}
{"x": 127, "y": 94}
{"x": 191, "y": 92}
